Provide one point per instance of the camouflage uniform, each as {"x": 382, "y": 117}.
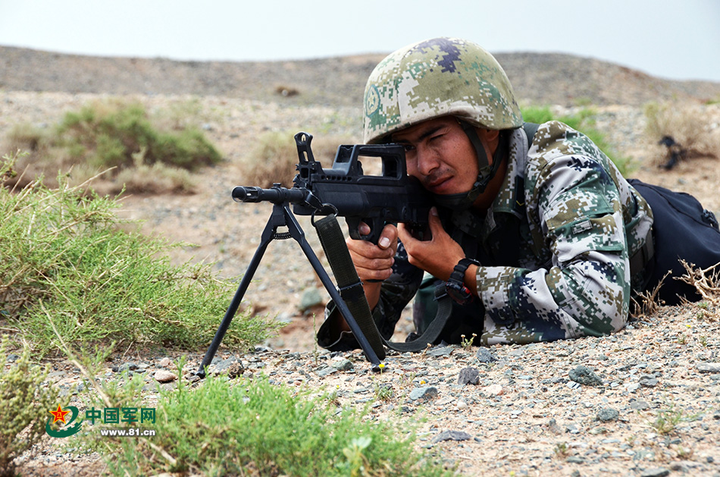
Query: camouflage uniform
{"x": 576, "y": 220}
{"x": 554, "y": 247}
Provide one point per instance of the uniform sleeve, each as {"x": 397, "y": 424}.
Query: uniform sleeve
{"x": 574, "y": 211}
{"x": 395, "y": 294}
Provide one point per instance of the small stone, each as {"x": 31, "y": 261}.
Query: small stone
{"x": 709, "y": 367}
{"x": 343, "y": 365}
{"x": 424, "y": 393}
{"x": 438, "y": 351}
{"x": 574, "y": 459}
{"x": 326, "y": 371}
{"x": 163, "y": 376}
{"x": 232, "y": 367}
{"x": 639, "y": 405}
{"x": 485, "y": 356}
{"x": 310, "y": 298}
{"x": 553, "y": 427}
{"x": 468, "y": 376}
{"x": 586, "y": 376}
{"x": 607, "y": 414}
{"x": 451, "y": 436}
{"x": 657, "y": 472}
{"x": 648, "y": 382}
{"x": 166, "y": 362}
{"x": 494, "y": 390}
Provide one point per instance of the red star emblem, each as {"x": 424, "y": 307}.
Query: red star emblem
{"x": 59, "y": 415}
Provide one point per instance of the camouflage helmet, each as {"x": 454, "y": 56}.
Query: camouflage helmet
{"x": 438, "y": 77}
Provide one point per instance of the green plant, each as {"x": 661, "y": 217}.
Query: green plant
{"x": 383, "y": 391}
{"x": 221, "y": 428}
{"x": 111, "y": 135}
{"x": 561, "y": 449}
{"x": 26, "y": 401}
{"x": 582, "y": 121}
{"x": 467, "y": 343}
{"x": 667, "y": 419}
{"x": 65, "y": 257}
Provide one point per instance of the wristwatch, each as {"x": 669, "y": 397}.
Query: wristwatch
{"x": 455, "y": 286}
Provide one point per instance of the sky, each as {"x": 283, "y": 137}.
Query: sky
{"x": 672, "y": 39}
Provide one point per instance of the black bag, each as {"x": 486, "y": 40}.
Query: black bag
{"x": 683, "y": 229}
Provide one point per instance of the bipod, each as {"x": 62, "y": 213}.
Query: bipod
{"x": 282, "y": 217}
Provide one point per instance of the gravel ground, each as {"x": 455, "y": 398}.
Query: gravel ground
{"x": 519, "y": 410}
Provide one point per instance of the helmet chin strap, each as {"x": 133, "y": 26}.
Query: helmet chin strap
{"x": 486, "y": 172}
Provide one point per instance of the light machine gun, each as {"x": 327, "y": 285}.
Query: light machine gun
{"x": 346, "y": 191}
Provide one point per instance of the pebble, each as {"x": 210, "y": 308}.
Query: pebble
{"x": 656, "y": 472}
{"x": 709, "y": 367}
{"x": 607, "y": 414}
{"x": 469, "y": 376}
{"x": 164, "y": 376}
{"x": 451, "y": 436}
{"x": 232, "y": 367}
{"x": 639, "y": 405}
{"x": 485, "y": 356}
{"x": 440, "y": 351}
{"x": 586, "y": 376}
{"x": 166, "y": 362}
{"x": 343, "y": 365}
{"x": 494, "y": 390}
{"x": 424, "y": 393}
{"x": 310, "y": 299}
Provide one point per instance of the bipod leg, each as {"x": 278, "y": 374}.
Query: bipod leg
{"x": 297, "y": 233}
{"x": 277, "y": 219}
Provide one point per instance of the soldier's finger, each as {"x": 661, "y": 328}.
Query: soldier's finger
{"x": 388, "y": 237}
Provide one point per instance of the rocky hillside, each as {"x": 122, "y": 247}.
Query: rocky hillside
{"x": 538, "y": 78}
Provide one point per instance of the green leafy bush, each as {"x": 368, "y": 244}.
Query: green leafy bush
{"x": 582, "y": 121}
{"x": 25, "y": 405}
{"x": 254, "y": 427}
{"x": 116, "y": 134}
{"x": 65, "y": 257}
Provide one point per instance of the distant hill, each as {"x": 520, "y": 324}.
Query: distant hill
{"x": 538, "y": 78}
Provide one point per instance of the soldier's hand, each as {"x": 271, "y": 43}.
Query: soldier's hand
{"x": 437, "y": 256}
{"x": 374, "y": 262}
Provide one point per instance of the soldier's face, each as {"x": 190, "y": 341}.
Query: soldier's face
{"x": 440, "y": 155}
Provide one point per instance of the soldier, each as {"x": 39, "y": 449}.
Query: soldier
{"x": 536, "y": 236}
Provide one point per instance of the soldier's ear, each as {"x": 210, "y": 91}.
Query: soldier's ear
{"x": 489, "y": 136}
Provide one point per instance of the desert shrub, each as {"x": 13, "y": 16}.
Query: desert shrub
{"x": 582, "y": 121}
{"x": 253, "y": 426}
{"x": 112, "y": 134}
{"x": 26, "y": 402}
{"x": 275, "y": 155}
{"x": 65, "y": 257}
{"x": 688, "y": 124}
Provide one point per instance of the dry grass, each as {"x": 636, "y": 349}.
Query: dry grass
{"x": 692, "y": 126}
{"x": 706, "y": 282}
{"x": 275, "y": 156}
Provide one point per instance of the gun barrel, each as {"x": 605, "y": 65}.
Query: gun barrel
{"x": 276, "y": 195}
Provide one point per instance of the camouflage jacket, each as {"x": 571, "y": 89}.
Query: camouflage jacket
{"x": 554, "y": 248}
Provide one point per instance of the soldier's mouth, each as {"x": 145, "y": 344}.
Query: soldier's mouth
{"x": 437, "y": 186}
